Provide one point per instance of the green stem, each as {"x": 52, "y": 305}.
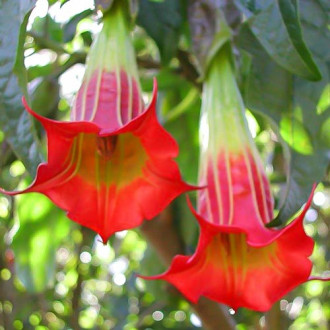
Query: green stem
{"x": 192, "y": 96}
{"x": 47, "y": 43}
{"x": 113, "y": 50}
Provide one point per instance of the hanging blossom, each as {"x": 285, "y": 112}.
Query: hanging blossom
{"x": 112, "y": 165}
{"x": 238, "y": 261}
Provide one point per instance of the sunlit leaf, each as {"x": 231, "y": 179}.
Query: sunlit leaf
{"x": 277, "y": 27}
{"x": 16, "y": 124}
{"x": 295, "y": 135}
{"x": 185, "y": 126}
{"x": 69, "y": 29}
{"x": 278, "y": 94}
{"x": 39, "y": 71}
{"x": 42, "y": 228}
{"x": 162, "y": 21}
{"x": 45, "y": 96}
{"x": 47, "y": 26}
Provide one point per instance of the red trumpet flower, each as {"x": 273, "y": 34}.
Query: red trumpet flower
{"x": 112, "y": 166}
{"x": 238, "y": 261}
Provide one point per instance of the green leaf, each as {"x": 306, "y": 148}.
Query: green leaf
{"x": 295, "y": 135}
{"x": 185, "y": 131}
{"x": 45, "y": 95}
{"x": 292, "y": 103}
{"x": 63, "y": 2}
{"x": 277, "y": 27}
{"x": 186, "y": 223}
{"x": 87, "y": 38}
{"x": 69, "y": 29}
{"x": 182, "y": 103}
{"x": 15, "y": 122}
{"x": 40, "y": 71}
{"x": 42, "y": 229}
{"x": 46, "y": 26}
{"x": 162, "y": 21}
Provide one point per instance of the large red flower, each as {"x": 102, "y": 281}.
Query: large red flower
{"x": 109, "y": 181}
{"x": 112, "y": 166}
{"x": 238, "y": 260}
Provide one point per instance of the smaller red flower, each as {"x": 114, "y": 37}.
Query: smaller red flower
{"x": 228, "y": 269}
{"x": 238, "y": 260}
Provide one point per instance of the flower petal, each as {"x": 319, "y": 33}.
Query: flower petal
{"x": 109, "y": 181}
{"x": 229, "y": 270}
{"x": 237, "y": 194}
{"x": 108, "y": 99}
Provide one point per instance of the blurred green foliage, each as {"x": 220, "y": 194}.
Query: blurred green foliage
{"x": 57, "y": 275}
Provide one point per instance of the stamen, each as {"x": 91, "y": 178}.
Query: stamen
{"x": 106, "y": 145}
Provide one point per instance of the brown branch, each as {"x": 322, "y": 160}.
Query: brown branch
{"x": 5, "y": 318}
{"x": 155, "y": 306}
{"x": 7, "y": 260}
{"x": 148, "y": 63}
{"x": 188, "y": 70}
{"x": 7, "y": 292}
{"x": 43, "y": 42}
{"x": 275, "y": 319}
{"x": 75, "y": 302}
{"x": 80, "y": 56}
{"x": 76, "y": 296}
{"x": 77, "y": 57}
{"x": 163, "y": 236}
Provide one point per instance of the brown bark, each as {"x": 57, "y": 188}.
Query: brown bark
{"x": 274, "y": 318}
{"x": 6, "y": 292}
{"x": 87, "y": 236}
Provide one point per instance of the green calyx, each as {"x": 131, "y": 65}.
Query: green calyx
{"x": 112, "y": 50}
{"x": 223, "y": 123}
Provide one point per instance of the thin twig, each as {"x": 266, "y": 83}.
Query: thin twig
{"x": 274, "y": 318}
{"x": 47, "y": 43}
{"x": 6, "y": 292}
{"x": 148, "y": 63}
{"x": 76, "y": 295}
{"x": 188, "y": 70}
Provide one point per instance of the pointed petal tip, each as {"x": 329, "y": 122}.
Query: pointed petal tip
{"x": 11, "y": 193}
{"x": 319, "y": 278}
{"x": 276, "y": 222}
{"x": 151, "y": 277}
{"x": 195, "y": 187}
{"x": 201, "y": 221}
{"x": 190, "y": 297}
{"x": 153, "y": 101}
{"x": 152, "y": 104}
{"x": 190, "y": 187}
{"x": 211, "y": 227}
{"x": 155, "y": 87}
{"x": 24, "y": 101}
{"x": 192, "y": 209}
{"x": 104, "y": 239}
{"x": 301, "y": 216}
{"x": 30, "y": 111}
